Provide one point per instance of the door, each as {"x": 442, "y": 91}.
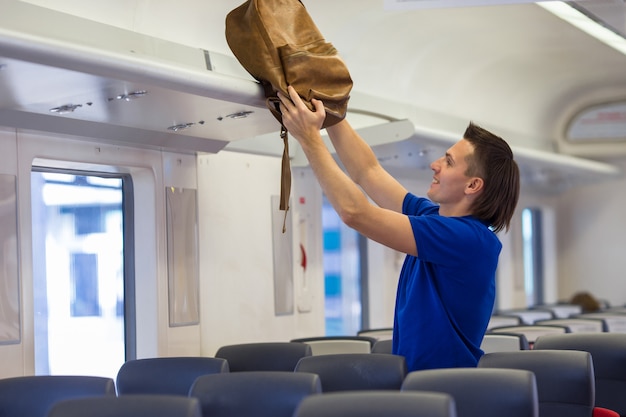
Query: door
{"x": 81, "y": 273}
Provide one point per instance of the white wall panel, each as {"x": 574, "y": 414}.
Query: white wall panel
{"x": 236, "y": 258}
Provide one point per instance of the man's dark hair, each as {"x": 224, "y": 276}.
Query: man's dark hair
{"x": 492, "y": 160}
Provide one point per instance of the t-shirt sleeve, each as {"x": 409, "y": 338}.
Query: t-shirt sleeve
{"x": 418, "y": 206}
{"x": 440, "y": 239}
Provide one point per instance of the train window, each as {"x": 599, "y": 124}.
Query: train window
{"x": 532, "y": 232}
{"x": 342, "y": 275}
{"x": 79, "y": 272}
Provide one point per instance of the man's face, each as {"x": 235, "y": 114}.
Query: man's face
{"x": 449, "y": 179}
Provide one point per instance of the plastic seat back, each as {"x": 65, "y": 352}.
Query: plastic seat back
{"x": 577, "y": 325}
{"x": 565, "y": 378}
{"x": 33, "y": 396}
{"x": 608, "y": 351}
{"x": 531, "y": 331}
{"x": 383, "y": 346}
{"x": 379, "y": 334}
{"x": 330, "y": 345}
{"x": 147, "y": 405}
{"x": 504, "y": 342}
{"x": 254, "y": 393}
{"x": 356, "y": 371}
{"x": 481, "y": 392}
{"x": 165, "y": 375}
{"x": 278, "y": 356}
{"x": 378, "y": 404}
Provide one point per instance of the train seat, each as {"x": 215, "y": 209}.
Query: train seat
{"x": 33, "y": 396}
{"x": 379, "y": 333}
{"x": 504, "y": 342}
{"x": 614, "y": 322}
{"x": 565, "y": 378}
{"x": 608, "y": 351}
{"x": 561, "y": 310}
{"x": 128, "y": 406}
{"x": 270, "y": 356}
{"x": 383, "y": 346}
{"x": 378, "y": 404}
{"x": 497, "y": 320}
{"x": 528, "y": 315}
{"x": 356, "y": 371}
{"x": 254, "y": 393}
{"x": 481, "y": 392}
{"x": 577, "y": 324}
{"x": 329, "y": 345}
{"x": 165, "y": 375}
{"x": 531, "y": 331}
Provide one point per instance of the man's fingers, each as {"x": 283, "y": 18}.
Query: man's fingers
{"x": 293, "y": 94}
{"x": 284, "y": 103}
{"x": 318, "y": 104}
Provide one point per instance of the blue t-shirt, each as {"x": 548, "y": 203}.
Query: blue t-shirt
{"x": 445, "y": 294}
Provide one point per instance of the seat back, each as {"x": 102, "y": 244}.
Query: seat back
{"x": 577, "y": 325}
{"x": 278, "y": 356}
{"x": 481, "y": 392}
{"x": 499, "y": 321}
{"x": 254, "y": 393}
{"x": 128, "y": 406}
{"x": 565, "y": 378}
{"x": 527, "y": 315}
{"x": 504, "y": 342}
{"x": 33, "y": 396}
{"x": 383, "y": 346}
{"x": 356, "y": 371}
{"x": 608, "y": 351}
{"x": 614, "y": 322}
{"x": 561, "y": 310}
{"x": 378, "y": 404}
{"x": 165, "y": 375}
{"x": 330, "y": 345}
{"x": 531, "y": 331}
{"x": 380, "y": 333}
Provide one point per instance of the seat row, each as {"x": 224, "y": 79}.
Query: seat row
{"x": 572, "y": 374}
{"x": 516, "y": 384}
{"x": 568, "y": 315}
{"x": 464, "y": 392}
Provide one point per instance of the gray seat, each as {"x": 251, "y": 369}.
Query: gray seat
{"x": 613, "y": 322}
{"x": 378, "y": 333}
{"x": 165, "y": 375}
{"x": 383, "y": 346}
{"x": 481, "y": 392}
{"x": 147, "y": 405}
{"x": 330, "y": 345}
{"x": 577, "y": 324}
{"x": 33, "y": 396}
{"x": 378, "y": 404}
{"x": 254, "y": 393}
{"x": 356, "y": 371}
{"x": 497, "y": 320}
{"x": 527, "y": 315}
{"x": 270, "y": 356}
{"x": 565, "y": 378}
{"x": 608, "y": 351}
{"x": 531, "y": 331}
{"x": 504, "y": 342}
{"x": 561, "y": 310}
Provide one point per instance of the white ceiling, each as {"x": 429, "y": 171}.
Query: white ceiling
{"x": 513, "y": 68}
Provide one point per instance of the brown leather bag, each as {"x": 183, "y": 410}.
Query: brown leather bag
{"x": 278, "y": 43}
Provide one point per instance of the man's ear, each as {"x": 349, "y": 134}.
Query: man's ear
{"x": 474, "y": 185}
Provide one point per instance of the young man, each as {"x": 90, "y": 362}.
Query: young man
{"x": 446, "y": 289}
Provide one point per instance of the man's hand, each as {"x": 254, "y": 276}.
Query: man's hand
{"x": 297, "y": 118}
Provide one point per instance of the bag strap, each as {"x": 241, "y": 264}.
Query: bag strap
{"x": 273, "y": 103}
{"x": 285, "y": 180}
